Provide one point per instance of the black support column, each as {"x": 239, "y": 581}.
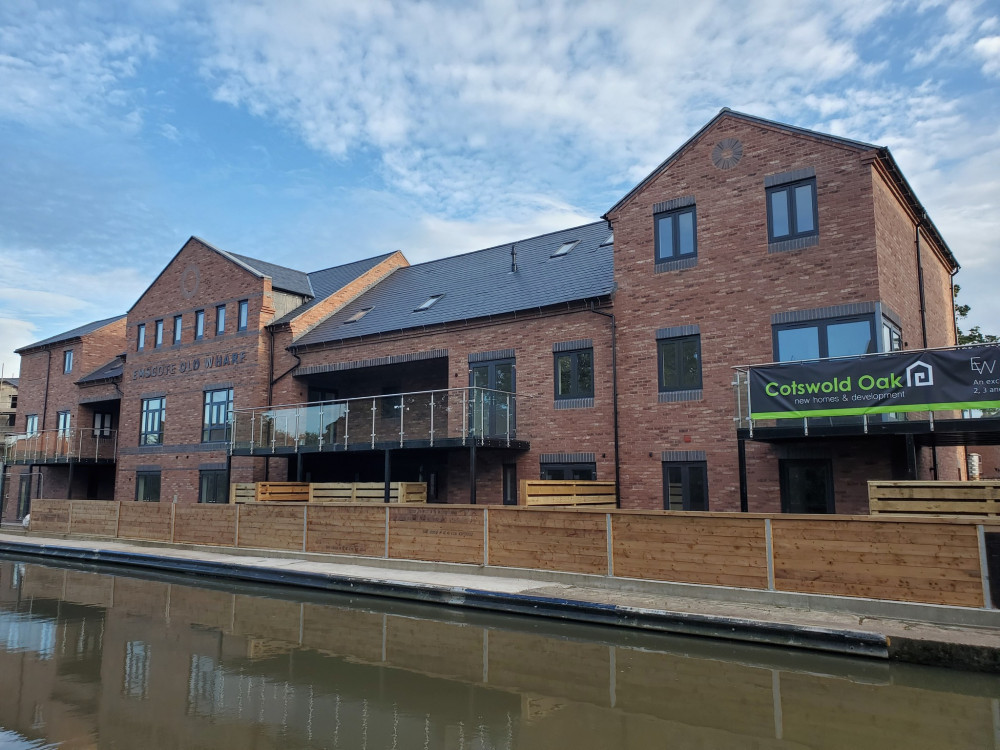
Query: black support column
{"x": 387, "y": 473}
{"x": 472, "y": 472}
{"x": 741, "y": 448}
{"x": 69, "y": 483}
{"x": 911, "y": 457}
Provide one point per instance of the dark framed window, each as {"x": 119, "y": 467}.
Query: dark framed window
{"x": 243, "y": 315}
{"x": 676, "y": 235}
{"x": 102, "y": 424}
{"x": 806, "y": 485}
{"x": 63, "y": 420}
{"x": 218, "y": 415}
{"x": 147, "y": 486}
{"x": 31, "y": 424}
{"x": 213, "y": 486}
{"x": 158, "y": 334}
{"x": 68, "y": 360}
{"x": 199, "y": 324}
{"x": 685, "y": 485}
{"x": 679, "y": 363}
{"x": 792, "y": 210}
{"x": 178, "y": 326}
{"x": 220, "y": 320}
{"x": 574, "y": 374}
{"x": 829, "y": 337}
{"x": 154, "y": 414}
{"x": 581, "y": 471}
{"x": 140, "y": 337}
{"x": 892, "y": 337}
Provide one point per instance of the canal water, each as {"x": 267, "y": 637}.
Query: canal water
{"x": 93, "y": 660}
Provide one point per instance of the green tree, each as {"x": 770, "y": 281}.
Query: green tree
{"x": 974, "y": 335}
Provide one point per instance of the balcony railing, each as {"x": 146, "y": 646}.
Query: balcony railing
{"x": 62, "y": 446}
{"x": 453, "y": 416}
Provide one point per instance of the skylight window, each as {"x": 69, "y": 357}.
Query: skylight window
{"x": 564, "y": 248}
{"x": 358, "y": 315}
{"x": 430, "y": 302}
{"x": 610, "y": 240}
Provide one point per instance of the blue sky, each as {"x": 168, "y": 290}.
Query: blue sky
{"x": 317, "y": 132}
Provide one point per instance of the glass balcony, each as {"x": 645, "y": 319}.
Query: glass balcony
{"x": 62, "y": 446}
{"x": 448, "y": 417}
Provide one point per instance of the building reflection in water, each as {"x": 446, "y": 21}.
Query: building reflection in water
{"x": 94, "y": 660}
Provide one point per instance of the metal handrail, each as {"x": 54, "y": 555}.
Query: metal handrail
{"x": 63, "y": 445}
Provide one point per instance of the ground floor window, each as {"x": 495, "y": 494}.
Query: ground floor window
{"x": 213, "y": 486}
{"x": 806, "y": 485}
{"x": 685, "y": 485}
{"x": 584, "y": 471}
{"x": 147, "y": 486}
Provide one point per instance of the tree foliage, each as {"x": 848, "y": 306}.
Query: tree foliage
{"x": 973, "y": 335}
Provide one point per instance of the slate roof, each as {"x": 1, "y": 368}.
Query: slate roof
{"x": 110, "y": 371}
{"x": 12, "y": 381}
{"x": 283, "y": 278}
{"x": 331, "y": 280}
{"x": 480, "y": 284}
{"x": 73, "y": 334}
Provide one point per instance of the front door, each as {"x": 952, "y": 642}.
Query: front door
{"x": 493, "y": 405}
{"x": 24, "y": 496}
{"x": 806, "y": 485}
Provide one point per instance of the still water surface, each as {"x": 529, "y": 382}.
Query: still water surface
{"x": 91, "y": 660}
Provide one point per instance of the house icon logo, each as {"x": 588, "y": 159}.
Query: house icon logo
{"x": 918, "y": 374}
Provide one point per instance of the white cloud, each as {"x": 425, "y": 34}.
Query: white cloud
{"x": 988, "y": 48}
{"x": 14, "y": 333}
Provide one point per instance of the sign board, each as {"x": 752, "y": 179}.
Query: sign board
{"x": 966, "y": 378}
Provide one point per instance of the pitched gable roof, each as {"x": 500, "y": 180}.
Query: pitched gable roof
{"x": 282, "y": 278}
{"x": 110, "y": 371}
{"x": 480, "y": 284}
{"x": 70, "y": 335}
{"x": 881, "y": 152}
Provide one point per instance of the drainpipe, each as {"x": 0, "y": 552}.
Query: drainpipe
{"x": 45, "y": 399}
{"x": 923, "y": 317}
{"x": 614, "y": 398}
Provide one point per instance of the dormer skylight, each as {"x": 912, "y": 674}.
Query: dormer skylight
{"x": 564, "y": 248}
{"x": 358, "y": 315}
{"x": 610, "y": 240}
{"x": 428, "y": 303}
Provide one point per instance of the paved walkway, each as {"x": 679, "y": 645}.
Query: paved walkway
{"x": 927, "y": 634}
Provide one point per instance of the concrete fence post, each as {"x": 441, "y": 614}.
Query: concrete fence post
{"x": 984, "y": 569}
{"x": 610, "y": 540}
{"x": 173, "y": 517}
{"x": 386, "y": 553}
{"x": 486, "y": 537}
{"x": 236, "y": 534}
{"x": 305, "y": 525}
{"x": 769, "y": 541}
{"x": 118, "y": 519}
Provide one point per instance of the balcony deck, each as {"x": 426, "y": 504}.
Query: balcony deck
{"x": 88, "y": 446}
{"x": 449, "y": 418}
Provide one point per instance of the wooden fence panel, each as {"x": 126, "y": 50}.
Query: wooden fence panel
{"x": 935, "y": 498}
{"x": 50, "y": 516}
{"x": 271, "y": 526}
{"x": 93, "y": 517}
{"x": 243, "y": 492}
{"x": 205, "y": 524}
{"x": 346, "y": 530}
{"x": 367, "y": 492}
{"x": 145, "y": 521}
{"x": 689, "y": 548}
{"x": 901, "y": 561}
{"x": 567, "y": 492}
{"x": 436, "y": 534}
{"x": 571, "y": 541}
{"x": 269, "y": 492}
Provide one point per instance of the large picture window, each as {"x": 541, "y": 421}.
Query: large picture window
{"x": 213, "y": 486}
{"x": 676, "y": 235}
{"x": 791, "y": 211}
{"x": 574, "y": 374}
{"x": 679, "y": 363}
{"x": 154, "y": 414}
{"x": 218, "y": 415}
{"x": 830, "y": 337}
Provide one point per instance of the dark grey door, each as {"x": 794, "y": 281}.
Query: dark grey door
{"x": 492, "y": 407}
{"x": 806, "y": 485}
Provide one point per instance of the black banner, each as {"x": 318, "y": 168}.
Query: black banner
{"x": 966, "y": 378}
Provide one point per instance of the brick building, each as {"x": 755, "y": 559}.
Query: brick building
{"x": 603, "y": 351}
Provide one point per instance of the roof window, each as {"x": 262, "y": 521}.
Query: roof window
{"x": 430, "y": 302}
{"x": 610, "y": 240}
{"x": 564, "y": 248}
{"x": 358, "y": 315}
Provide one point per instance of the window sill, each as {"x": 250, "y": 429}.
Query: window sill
{"x": 666, "y": 397}
{"x": 676, "y": 265}
{"x": 798, "y": 243}
{"x": 574, "y": 403}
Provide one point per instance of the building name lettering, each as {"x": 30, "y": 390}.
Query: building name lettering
{"x": 188, "y": 366}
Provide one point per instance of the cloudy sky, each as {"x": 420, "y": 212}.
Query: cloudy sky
{"x": 317, "y": 132}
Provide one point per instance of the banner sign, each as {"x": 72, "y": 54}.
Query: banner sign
{"x": 966, "y": 378}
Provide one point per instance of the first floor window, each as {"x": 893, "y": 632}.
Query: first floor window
{"x": 147, "y": 486}
{"x": 679, "y": 363}
{"x": 213, "y": 486}
{"x": 685, "y": 485}
{"x": 68, "y": 360}
{"x": 579, "y": 471}
{"x": 218, "y": 415}
{"x": 154, "y": 414}
{"x": 63, "y": 419}
{"x": 140, "y": 337}
{"x": 791, "y": 211}
{"x": 178, "y": 325}
{"x": 675, "y": 235}
{"x": 220, "y": 320}
{"x": 102, "y": 424}
{"x": 831, "y": 337}
{"x": 575, "y": 374}
{"x": 31, "y": 424}
{"x": 199, "y": 324}
{"x": 158, "y": 334}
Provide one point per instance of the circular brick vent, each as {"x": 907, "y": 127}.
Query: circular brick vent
{"x": 727, "y": 153}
